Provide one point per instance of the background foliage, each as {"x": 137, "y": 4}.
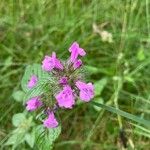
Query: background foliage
{"x": 116, "y": 36}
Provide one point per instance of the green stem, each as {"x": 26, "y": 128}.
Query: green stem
{"x": 94, "y": 127}
{"x": 147, "y": 18}
{"x": 119, "y": 86}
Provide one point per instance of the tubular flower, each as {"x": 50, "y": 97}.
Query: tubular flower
{"x": 65, "y": 98}
{"x": 77, "y": 64}
{"x": 52, "y": 62}
{"x": 86, "y": 90}
{"x": 51, "y": 121}
{"x": 75, "y": 51}
{"x": 33, "y": 103}
{"x": 33, "y": 81}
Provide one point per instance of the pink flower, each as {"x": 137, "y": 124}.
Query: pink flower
{"x": 75, "y": 51}
{"x": 33, "y": 103}
{"x": 51, "y": 121}
{"x": 77, "y": 64}
{"x": 65, "y": 98}
{"x": 52, "y": 62}
{"x": 33, "y": 81}
{"x": 63, "y": 80}
{"x": 86, "y": 90}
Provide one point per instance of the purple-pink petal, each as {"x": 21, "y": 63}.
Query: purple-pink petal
{"x": 58, "y": 64}
{"x": 75, "y": 51}
{"x": 48, "y": 63}
{"x": 73, "y": 46}
{"x": 86, "y": 90}
{"x": 77, "y": 64}
{"x": 33, "y": 103}
{"x": 65, "y": 98}
{"x": 51, "y": 121}
{"x": 81, "y": 52}
{"x": 33, "y": 81}
{"x": 52, "y": 62}
{"x": 63, "y": 80}
{"x": 80, "y": 85}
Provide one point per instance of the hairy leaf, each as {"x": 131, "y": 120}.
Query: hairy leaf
{"x": 46, "y": 137}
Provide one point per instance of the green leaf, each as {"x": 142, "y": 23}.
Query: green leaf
{"x": 18, "y": 95}
{"x": 38, "y": 90}
{"x": 26, "y": 124}
{"x": 129, "y": 79}
{"x": 98, "y": 100}
{"x": 12, "y": 139}
{"x": 123, "y": 113}
{"x": 141, "y": 55}
{"x": 92, "y": 69}
{"x": 7, "y": 63}
{"x": 30, "y": 139}
{"x": 54, "y": 133}
{"x": 45, "y": 138}
{"x": 99, "y": 86}
{"x": 34, "y": 69}
{"x": 43, "y": 84}
{"x": 15, "y": 139}
{"x": 18, "y": 119}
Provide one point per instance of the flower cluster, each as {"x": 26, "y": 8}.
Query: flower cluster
{"x": 69, "y": 80}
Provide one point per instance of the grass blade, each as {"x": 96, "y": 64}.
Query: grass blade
{"x": 123, "y": 113}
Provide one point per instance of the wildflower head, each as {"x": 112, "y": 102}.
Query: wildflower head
{"x": 68, "y": 85}
{"x": 33, "y": 103}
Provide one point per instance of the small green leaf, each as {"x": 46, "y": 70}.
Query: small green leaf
{"x": 99, "y": 86}
{"x": 18, "y": 96}
{"x": 141, "y": 55}
{"x": 30, "y": 139}
{"x": 18, "y": 119}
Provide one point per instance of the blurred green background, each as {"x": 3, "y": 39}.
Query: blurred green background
{"x": 116, "y": 37}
